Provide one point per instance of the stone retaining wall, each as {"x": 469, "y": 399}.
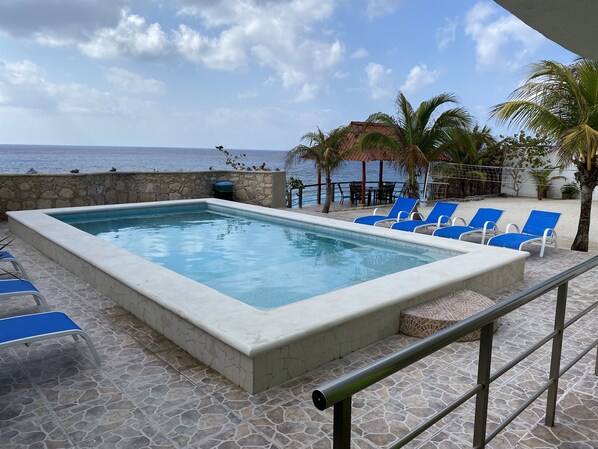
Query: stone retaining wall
{"x": 43, "y": 191}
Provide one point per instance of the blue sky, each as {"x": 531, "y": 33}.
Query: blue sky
{"x": 246, "y": 74}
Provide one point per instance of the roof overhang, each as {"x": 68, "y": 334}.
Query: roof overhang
{"x": 570, "y": 23}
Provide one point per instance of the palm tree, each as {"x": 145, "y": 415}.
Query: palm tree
{"x": 561, "y": 102}
{"x": 466, "y": 153}
{"x": 474, "y": 146}
{"x": 417, "y": 137}
{"x": 324, "y": 149}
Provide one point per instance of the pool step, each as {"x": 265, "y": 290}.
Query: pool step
{"x": 428, "y": 318}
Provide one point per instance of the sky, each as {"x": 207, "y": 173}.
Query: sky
{"x": 246, "y": 74}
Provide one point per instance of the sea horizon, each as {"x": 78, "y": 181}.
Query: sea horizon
{"x": 62, "y": 159}
{"x": 45, "y": 145}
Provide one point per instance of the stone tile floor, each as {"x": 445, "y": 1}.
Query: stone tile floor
{"x": 149, "y": 393}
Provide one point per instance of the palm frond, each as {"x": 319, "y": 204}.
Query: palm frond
{"x": 560, "y": 101}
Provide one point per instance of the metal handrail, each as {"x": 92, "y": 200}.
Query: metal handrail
{"x": 314, "y": 193}
{"x": 338, "y": 393}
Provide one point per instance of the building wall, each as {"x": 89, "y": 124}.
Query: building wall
{"x": 528, "y": 186}
{"x": 42, "y": 191}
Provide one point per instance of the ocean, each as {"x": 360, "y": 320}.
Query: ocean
{"x": 94, "y": 159}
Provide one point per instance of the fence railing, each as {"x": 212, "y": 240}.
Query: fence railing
{"x": 338, "y": 393}
{"x": 315, "y": 193}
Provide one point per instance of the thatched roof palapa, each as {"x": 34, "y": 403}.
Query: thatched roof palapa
{"x": 357, "y": 129}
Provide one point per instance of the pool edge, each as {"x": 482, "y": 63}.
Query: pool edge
{"x": 247, "y": 360}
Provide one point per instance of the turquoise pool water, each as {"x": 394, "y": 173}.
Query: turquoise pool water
{"x": 262, "y": 261}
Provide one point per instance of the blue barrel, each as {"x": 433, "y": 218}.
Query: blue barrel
{"x": 224, "y": 190}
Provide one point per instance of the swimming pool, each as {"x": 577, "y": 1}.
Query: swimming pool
{"x": 264, "y": 262}
{"x": 254, "y": 348}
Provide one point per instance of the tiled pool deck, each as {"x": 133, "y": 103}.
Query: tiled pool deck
{"x": 149, "y": 393}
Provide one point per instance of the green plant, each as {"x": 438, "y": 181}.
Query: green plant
{"x": 325, "y": 151}
{"x": 418, "y": 136}
{"x": 569, "y": 189}
{"x": 234, "y": 161}
{"x": 294, "y": 183}
{"x": 543, "y": 179}
{"x": 520, "y": 153}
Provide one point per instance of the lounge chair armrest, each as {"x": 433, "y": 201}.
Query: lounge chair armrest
{"x": 401, "y": 214}
{"x": 548, "y": 233}
{"x": 443, "y": 219}
{"x": 461, "y": 219}
{"x": 375, "y": 211}
{"x": 508, "y": 229}
{"x": 489, "y": 228}
{"x": 414, "y": 214}
{"x": 490, "y": 225}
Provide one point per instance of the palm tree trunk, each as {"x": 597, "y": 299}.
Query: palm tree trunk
{"x": 413, "y": 187}
{"x": 582, "y": 238}
{"x": 587, "y": 179}
{"x": 328, "y": 198}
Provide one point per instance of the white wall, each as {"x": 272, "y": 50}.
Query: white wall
{"x": 528, "y": 187}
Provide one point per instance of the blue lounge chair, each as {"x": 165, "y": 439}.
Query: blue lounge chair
{"x": 20, "y": 272}
{"x": 439, "y": 215}
{"x": 400, "y": 211}
{"x": 539, "y": 227}
{"x": 22, "y": 287}
{"x": 25, "y": 329}
{"x": 483, "y": 222}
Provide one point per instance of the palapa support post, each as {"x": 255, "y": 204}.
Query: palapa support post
{"x": 363, "y": 181}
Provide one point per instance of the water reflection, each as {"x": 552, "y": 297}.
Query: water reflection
{"x": 260, "y": 262}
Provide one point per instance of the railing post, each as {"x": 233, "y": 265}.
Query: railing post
{"x": 290, "y": 198}
{"x": 555, "y": 359}
{"x": 481, "y": 403}
{"x": 319, "y": 194}
{"x": 300, "y": 195}
{"x": 341, "y": 432}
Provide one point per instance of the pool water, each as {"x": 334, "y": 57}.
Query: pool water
{"x": 261, "y": 262}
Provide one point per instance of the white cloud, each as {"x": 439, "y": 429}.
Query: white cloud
{"x": 23, "y": 87}
{"x": 281, "y": 36}
{"x": 247, "y": 95}
{"x": 131, "y": 82}
{"x": 19, "y": 73}
{"x": 377, "y": 8}
{"x": 360, "y": 53}
{"x": 224, "y": 13}
{"x": 303, "y": 66}
{"x": 52, "y": 41}
{"x": 213, "y": 13}
{"x": 225, "y": 53}
{"x": 446, "y": 35}
{"x": 503, "y": 42}
{"x": 131, "y": 37}
{"x": 57, "y": 22}
{"x": 285, "y": 36}
{"x": 418, "y": 77}
{"x": 273, "y": 122}
{"x": 379, "y": 80}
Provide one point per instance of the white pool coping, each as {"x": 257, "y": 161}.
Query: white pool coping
{"x": 174, "y": 305}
